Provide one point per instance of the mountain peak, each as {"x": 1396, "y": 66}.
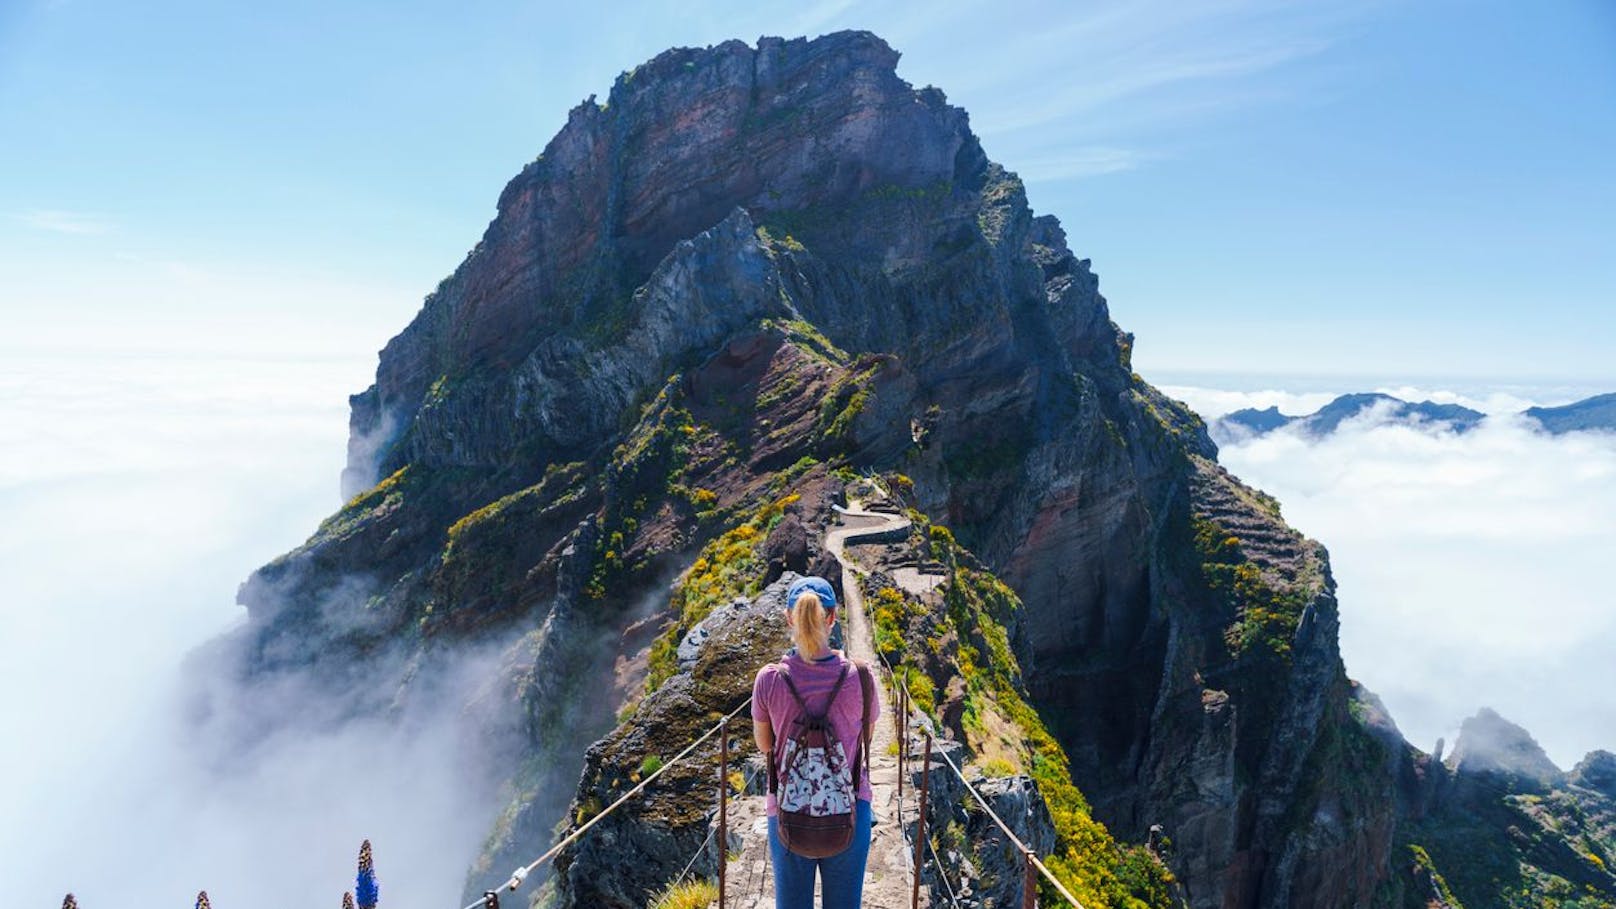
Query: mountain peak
{"x": 1488, "y": 743}
{"x": 788, "y": 130}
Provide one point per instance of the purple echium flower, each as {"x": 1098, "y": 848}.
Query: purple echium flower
{"x": 365, "y": 890}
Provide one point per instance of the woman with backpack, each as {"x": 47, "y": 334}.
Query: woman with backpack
{"x": 813, "y": 714}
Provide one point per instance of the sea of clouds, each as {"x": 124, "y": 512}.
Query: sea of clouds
{"x": 1474, "y": 569}
{"x": 136, "y": 493}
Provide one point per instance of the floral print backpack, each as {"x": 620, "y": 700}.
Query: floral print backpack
{"x": 814, "y": 782}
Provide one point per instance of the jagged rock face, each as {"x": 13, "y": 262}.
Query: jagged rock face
{"x": 667, "y": 827}
{"x": 992, "y": 872}
{"x": 1239, "y": 752}
{"x": 1597, "y": 771}
{"x": 787, "y": 126}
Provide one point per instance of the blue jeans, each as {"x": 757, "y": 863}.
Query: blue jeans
{"x": 841, "y": 876}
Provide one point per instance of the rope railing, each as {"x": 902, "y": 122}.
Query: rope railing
{"x": 1030, "y": 856}
{"x": 491, "y": 898}
{"x": 942, "y": 875}
{"x": 903, "y": 709}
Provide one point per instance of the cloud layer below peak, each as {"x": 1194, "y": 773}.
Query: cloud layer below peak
{"x": 1472, "y": 567}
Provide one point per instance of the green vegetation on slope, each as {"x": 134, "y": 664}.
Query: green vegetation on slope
{"x": 1267, "y": 616}
{"x": 1498, "y": 850}
{"x": 728, "y": 567}
{"x": 1002, "y": 728}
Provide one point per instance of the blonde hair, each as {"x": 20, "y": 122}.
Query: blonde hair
{"x": 809, "y": 629}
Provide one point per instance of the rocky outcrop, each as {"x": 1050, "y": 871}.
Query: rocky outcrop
{"x": 1490, "y": 744}
{"x": 1499, "y": 825}
{"x": 664, "y": 830}
{"x": 1597, "y": 771}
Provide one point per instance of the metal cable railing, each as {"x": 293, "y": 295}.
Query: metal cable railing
{"x": 491, "y": 898}
{"x": 1031, "y": 858}
{"x": 937, "y": 862}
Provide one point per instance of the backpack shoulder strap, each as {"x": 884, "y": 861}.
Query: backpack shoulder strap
{"x": 783, "y": 673}
{"x": 792, "y": 687}
{"x": 867, "y": 688}
{"x": 834, "y": 691}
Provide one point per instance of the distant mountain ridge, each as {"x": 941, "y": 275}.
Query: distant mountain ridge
{"x": 1595, "y": 413}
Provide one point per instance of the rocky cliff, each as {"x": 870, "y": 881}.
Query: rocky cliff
{"x": 749, "y": 275}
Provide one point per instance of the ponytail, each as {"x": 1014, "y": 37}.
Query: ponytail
{"x": 808, "y": 628}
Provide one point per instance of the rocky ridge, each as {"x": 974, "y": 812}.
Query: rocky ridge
{"x": 749, "y": 275}
{"x": 1594, "y": 414}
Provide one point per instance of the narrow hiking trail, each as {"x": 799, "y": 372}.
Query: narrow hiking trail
{"x": 887, "y": 877}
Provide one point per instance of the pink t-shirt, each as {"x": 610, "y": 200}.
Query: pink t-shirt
{"x": 772, "y": 703}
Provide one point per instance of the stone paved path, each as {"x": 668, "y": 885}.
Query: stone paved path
{"x": 887, "y": 881}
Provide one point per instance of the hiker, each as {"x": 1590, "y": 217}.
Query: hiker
{"x": 813, "y": 714}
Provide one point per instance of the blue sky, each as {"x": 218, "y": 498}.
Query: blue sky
{"x": 1382, "y": 189}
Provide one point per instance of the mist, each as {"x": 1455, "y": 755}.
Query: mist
{"x": 1472, "y": 568}
{"x": 137, "y": 492}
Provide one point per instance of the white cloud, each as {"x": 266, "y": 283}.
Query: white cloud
{"x": 135, "y": 494}
{"x": 1212, "y": 403}
{"x": 1473, "y": 568}
{"x": 65, "y": 222}
{"x": 1146, "y": 64}
{"x": 1186, "y": 66}
{"x": 1086, "y": 161}
{"x": 166, "y": 303}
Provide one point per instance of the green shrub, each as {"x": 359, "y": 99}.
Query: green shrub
{"x": 688, "y": 895}
{"x": 998, "y": 766}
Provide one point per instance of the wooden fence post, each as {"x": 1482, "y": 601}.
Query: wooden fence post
{"x": 920, "y": 824}
{"x": 723, "y": 807}
{"x": 903, "y": 737}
